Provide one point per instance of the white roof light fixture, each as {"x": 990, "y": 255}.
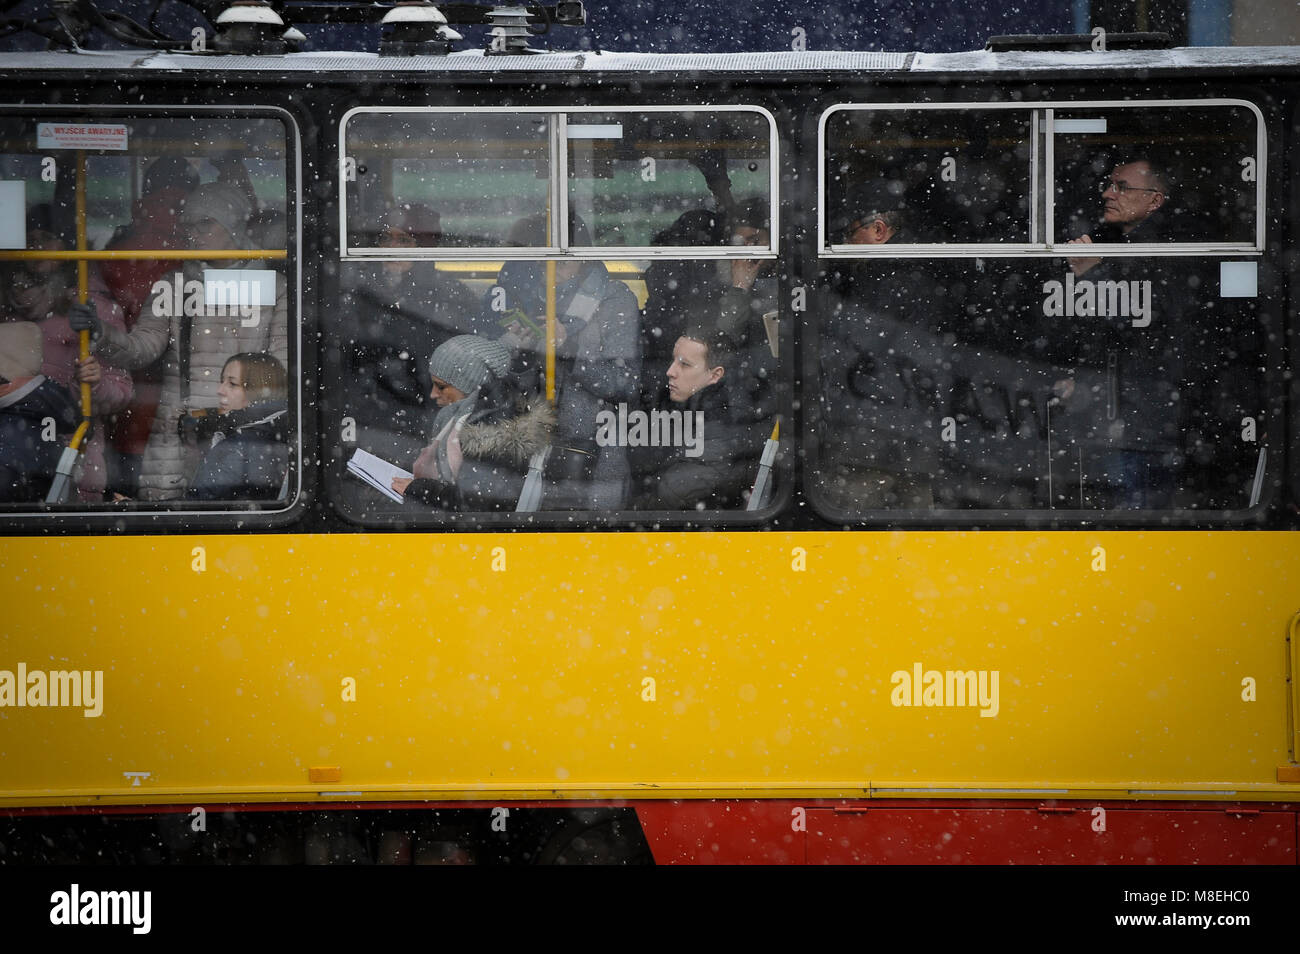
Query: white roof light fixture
{"x": 250, "y": 26}
{"x": 415, "y": 28}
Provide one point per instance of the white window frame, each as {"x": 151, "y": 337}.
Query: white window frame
{"x": 1043, "y": 188}
{"x": 559, "y": 155}
{"x": 237, "y": 510}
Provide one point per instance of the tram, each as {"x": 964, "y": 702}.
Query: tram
{"x": 994, "y": 561}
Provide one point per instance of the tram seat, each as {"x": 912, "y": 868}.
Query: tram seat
{"x": 534, "y": 489}
{"x": 759, "y": 500}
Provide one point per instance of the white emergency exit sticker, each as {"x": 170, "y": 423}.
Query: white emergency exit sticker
{"x": 80, "y": 136}
{"x": 13, "y": 214}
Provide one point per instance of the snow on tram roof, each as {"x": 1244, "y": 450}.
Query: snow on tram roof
{"x": 980, "y": 61}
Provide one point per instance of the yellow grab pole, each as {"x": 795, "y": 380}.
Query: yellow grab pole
{"x": 550, "y": 332}
{"x": 83, "y": 289}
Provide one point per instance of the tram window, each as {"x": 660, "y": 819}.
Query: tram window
{"x": 478, "y": 175}
{"x": 444, "y": 370}
{"x": 187, "y": 348}
{"x": 485, "y": 180}
{"x": 652, "y": 407}
{"x": 1154, "y": 174}
{"x": 632, "y": 175}
{"x": 1033, "y": 385}
{"x": 951, "y": 176}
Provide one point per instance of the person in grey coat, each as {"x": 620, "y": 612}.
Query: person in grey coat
{"x": 195, "y": 338}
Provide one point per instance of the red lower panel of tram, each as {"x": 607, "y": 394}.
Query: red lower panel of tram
{"x": 791, "y": 832}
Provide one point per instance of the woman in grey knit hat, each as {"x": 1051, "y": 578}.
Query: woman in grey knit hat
{"x": 477, "y": 418}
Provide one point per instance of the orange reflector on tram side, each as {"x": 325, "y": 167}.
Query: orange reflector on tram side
{"x": 325, "y": 773}
{"x": 1288, "y": 773}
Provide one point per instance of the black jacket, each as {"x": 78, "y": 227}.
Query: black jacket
{"x": 27, "y": 461}
{"x": 715, "y": 472}
{"x": 249, "y": 455}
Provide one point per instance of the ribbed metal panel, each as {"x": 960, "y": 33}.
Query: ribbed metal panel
{"x": 586, "y": 62}
{"x": 473, "y": 62}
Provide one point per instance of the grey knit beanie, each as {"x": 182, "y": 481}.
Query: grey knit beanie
{"x": 221, "y": 202}
{"x": 466, "y": 361}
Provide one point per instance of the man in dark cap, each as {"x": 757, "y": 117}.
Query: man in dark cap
{"x": 875, "y": 213}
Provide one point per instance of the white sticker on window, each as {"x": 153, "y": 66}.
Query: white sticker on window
{"x": 13, "y": 214}
{"x": 1080, "y": 125}
{"x": 80, "y": 136}
{"x": 595, "y": 130}
{"x": 1238, "y": 279}
{"x": 230, "y": 287}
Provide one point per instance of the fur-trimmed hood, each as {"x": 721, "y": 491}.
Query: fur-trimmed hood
{"x": 511, "y": 441}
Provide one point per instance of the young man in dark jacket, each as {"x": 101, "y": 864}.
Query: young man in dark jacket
{"x": 721, "y": 436}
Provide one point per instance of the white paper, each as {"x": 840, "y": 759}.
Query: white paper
{"x": 377, "y": 472}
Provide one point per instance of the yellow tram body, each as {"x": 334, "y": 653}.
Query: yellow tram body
{"x": 654, "y": 665}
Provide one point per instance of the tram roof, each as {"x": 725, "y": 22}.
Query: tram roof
{"x": 977, "y": 62}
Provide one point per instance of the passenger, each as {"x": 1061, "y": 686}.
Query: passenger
{"x": 747, "y": 313}
{"x": 878, "y": 222}
{"x": 750, "y": 291}
{"x": 44, "y": 292}
{"x": 155, "y": 224}
{"x": 679, "y": 294}
{"x": 1134, "y": 198}
{"x": 876, "y": 399}
{"x": 708, "y": 449}
{"x": 598, "y": 353}
{"x": 482, "y": 420}
{"x": 248, "y": 456}
{"x": 28, "y": 401}
{"x": 877, "y": 214}
{"x": 195, "y": 342}
{"x": 268, "y": 229}
{"x": 1131, "y": 415}
{"x": 395, "y": 315}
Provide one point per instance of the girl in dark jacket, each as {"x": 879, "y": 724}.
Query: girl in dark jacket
{"x": 249, "y": 454}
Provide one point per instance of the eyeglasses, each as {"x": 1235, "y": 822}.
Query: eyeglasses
{"x": 1105, "y": 185}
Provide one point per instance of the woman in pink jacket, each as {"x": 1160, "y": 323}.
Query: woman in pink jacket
{"x": 44, "y": 293}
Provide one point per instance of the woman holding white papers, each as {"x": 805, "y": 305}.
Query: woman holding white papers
{"x": 483, "y": 418}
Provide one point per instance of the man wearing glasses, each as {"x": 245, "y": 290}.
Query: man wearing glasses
{"x": 1132, "y": 195}
{"x": 1138, "y": 368}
